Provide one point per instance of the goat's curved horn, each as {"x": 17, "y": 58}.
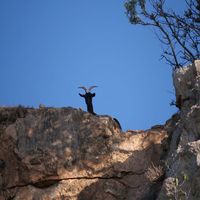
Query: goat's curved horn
{"x": 84, "y": 88}
{"x": 90, "y": 88}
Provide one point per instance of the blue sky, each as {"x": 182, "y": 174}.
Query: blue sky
{"x": 48, "y": 48}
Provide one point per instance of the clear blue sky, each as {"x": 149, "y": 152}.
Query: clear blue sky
{"x": 48, "y": 48}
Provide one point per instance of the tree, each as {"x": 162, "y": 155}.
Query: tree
{"x": 178, "y": 33}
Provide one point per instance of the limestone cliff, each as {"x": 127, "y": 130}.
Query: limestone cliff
{"x": 68, "y": 154}
{"x": 183, "y": 160}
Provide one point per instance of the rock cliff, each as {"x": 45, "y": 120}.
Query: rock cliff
{"x": 183, "y": 161}
{"x": 68, "y": 154}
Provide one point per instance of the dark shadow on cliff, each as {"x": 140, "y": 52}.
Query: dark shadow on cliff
{"x": 81, "y": 146}
{"x": 52, "y": 138}
{"x": 129, "y": 180}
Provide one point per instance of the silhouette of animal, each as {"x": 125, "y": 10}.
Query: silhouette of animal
{"x": 88, "y": 98}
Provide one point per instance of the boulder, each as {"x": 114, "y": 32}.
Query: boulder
{"x": 65, "y": 153}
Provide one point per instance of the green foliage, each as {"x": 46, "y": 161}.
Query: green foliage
{"x": 132, "y": 7}
{"x": 179, "y": 34}
{"x": 181, "y": 189}
{"x": 185, "y": 177}
{"x": 176, "y": 182}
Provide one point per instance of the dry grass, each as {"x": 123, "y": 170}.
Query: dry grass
{"x": 154, "y": 173}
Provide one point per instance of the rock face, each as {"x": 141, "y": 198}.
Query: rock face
{"x": 183, "y": 161}
{"x": 68, "y": 154}
{"x": 65, "y": 153}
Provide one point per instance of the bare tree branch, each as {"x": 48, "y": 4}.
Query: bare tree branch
{"x": 180, "y": 34}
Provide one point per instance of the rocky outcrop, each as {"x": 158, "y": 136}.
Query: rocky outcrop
{"x": 68, "y": 154}
{"x": 183, "y": 160}
{"x": 65, "y": 153}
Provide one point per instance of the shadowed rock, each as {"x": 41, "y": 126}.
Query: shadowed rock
{"x": 66, "y": 153}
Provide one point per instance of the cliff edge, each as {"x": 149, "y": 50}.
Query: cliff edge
{"x": 66, "y": 153}
{"x": 183, "y": 161}
{"x": 69, "y": 154}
